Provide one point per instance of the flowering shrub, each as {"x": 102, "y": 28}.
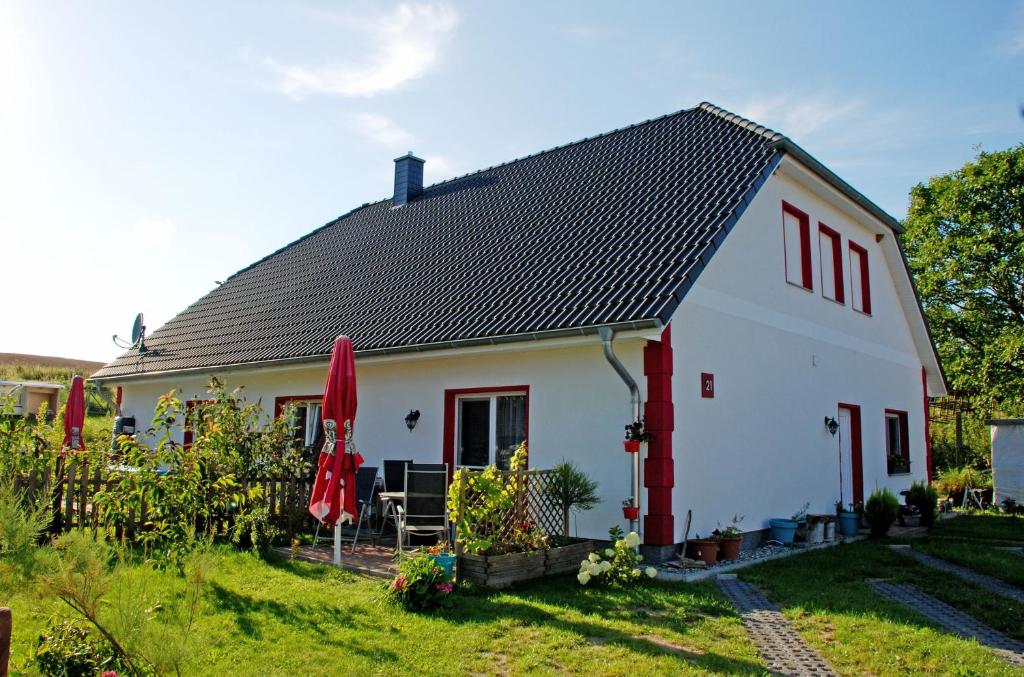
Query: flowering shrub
{"x": 615, "y": 566}
{"x": 421, "y": 585}
{"x": 490, "y": 518}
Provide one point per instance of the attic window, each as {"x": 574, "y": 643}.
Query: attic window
{"x": 831, "y": 251}
{"x": 796, "y": 232}
{"x": 860, "y": 279}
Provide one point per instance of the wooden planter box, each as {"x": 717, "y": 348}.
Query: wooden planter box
{"x": 566, "y": 559}
{"x": 501, "y": 571}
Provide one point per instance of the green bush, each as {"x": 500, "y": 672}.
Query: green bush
{"x": 881, "y": 511}
{"x": 615, "y": 566}
{"x": 952, "y": 482}
{"x": 253, "y": 529}
{"x": 421, "y": 585}
{"x": 923, "y": 497}
{"x": 66, "y": 649}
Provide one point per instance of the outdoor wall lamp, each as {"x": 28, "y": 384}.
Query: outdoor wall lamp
{"x": 412, "y": 418}
{"x": 831, "y": 425}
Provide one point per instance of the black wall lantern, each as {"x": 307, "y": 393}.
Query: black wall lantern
{"x": 412, "y": 418}
{"x": 831, "y": 425}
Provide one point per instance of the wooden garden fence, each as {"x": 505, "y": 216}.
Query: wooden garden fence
{"x": 73, "y": 506}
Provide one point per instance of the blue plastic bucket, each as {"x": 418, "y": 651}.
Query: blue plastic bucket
{"x": 849, "y": 523}
{"x": 783, "y": 530}
{"x": 446, "y": 562}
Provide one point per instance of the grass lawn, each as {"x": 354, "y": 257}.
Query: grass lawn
{"x": 992, "y": 528}
{"x": 826, "y": 595}
{"x": 985, "y": 559}
{"x": 296, "y": 618}
{"x": 284, "y": 617}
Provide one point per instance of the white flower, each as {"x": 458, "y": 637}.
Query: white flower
{"x": 584, "y": 563}
{"x": 651, "y": 572}
{"x": 595, "y": 569}
{"x": 594, "y": 557}
{"x": 636, "y": 573}
{"x": 632, "y": 539}
{"x": 606, "y": 566}
{"x": 608, "y": 552}
{"x": 583, "y": 578}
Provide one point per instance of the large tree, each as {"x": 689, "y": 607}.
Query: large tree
{"x": 965, "y": 241}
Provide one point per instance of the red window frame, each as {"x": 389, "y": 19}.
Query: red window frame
{"x": 451, "y": 396}
{"x": 282, "y": 400}
{"x": 865, "y": 277}
{"x": 837, "y": 262}
{"x": 806, "y": 274}
{"x": 190, "y": 406}
{"x": 904, "y": 419}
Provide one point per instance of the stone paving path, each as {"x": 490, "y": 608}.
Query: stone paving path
{"x": 993, "y": 584}
{"x": 783, "y": 650}
{"x": 953, "y": 620}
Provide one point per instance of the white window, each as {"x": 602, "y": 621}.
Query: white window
{"x": 306, "y": 423}
{"x": 489, "y": 428}
{"x": 860, "y": 279}
{"x": 796, "y": 231}
{"x": 830, "y": 249}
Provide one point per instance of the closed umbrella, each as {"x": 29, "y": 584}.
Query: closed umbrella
{"x": 333, "y": 500}
{"x": 74, "y": 416}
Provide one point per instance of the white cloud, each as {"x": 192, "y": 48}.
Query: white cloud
{"x": 798, "y": 115}
{"x": 382, "y": 129}
{"x": 399, "y": 46}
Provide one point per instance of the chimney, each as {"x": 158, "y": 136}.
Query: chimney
{"x": 408, "y": 178}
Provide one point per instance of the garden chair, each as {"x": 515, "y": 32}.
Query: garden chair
{"x": 366, "y": 489}
{"x": 424, "y": 507}
{"x": 394, "y": 485}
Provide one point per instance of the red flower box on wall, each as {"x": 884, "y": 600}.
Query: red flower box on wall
{"x": 632, "y": 513}
{"x": 632, "y": 446}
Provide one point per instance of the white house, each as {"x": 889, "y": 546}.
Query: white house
{"x": 751, "y": 294}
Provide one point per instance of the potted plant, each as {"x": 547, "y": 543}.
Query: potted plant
{"x": 880, "y": 511}
{"x": 849, "y": 520}
{"x": 635, "y": 434}
{"x": 784, "y": 530}
{"x": 703, "y": 549}
{"x": 816, "y": 529}
{"x": 729, "y": 538}
{"x": 572, "y": 491}
{"x": 898, "y": 464}
{"x": 630, "y": 511}
{"x": 923, "y": 497}
{"x": 442, "y": 555}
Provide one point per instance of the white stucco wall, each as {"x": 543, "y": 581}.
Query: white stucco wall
{"x": 577, "y": 405}
{"x": 783, "y": 359}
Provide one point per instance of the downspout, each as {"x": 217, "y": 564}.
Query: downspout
{"x": 607, "y": 336}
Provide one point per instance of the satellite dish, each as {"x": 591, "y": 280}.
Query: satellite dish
{"x": 138, "y": 336}
{"x": 138, "y": 329}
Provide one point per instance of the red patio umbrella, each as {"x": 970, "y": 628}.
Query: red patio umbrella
{"x": 74, "y": 416}
{"x": 333, "y": 500}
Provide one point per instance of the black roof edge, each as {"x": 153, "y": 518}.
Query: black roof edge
{"x": 651, "y": 323}
{"x": 787, "y": 145}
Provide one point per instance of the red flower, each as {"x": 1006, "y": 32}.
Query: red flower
{"x": 446, "y": 588}
{"x": 398, "y": 584}
{"x": 108, "y": 673}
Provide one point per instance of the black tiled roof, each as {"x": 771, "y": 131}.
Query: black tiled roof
{"x": 610, "y": 230}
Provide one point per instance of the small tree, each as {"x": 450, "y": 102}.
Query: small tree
{"x": 965, "y": 243}
{"x": 572, "y": 491}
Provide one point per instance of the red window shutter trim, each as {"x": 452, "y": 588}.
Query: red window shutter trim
{"x": 865, "y": 278}
{"x": 806, "y": 274}
{"x": 837, "y": 261}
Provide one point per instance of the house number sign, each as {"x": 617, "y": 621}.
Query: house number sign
{"x": 707, "y": 385}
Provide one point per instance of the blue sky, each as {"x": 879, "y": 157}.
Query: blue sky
{"x": 149, "y": 149}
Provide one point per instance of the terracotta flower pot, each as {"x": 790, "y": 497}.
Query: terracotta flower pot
{"x": 729, "y": 548}
{"x": 631, "y": 513}
{"x": 632, "y": 446}
{"x": 704, "y": 549}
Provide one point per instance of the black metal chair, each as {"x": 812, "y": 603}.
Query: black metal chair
{"x": 424, "y": 508}
{"x": 366, "y": 492}
{"x": 394, "y": 475}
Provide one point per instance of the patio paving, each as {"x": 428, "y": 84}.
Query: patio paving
{"x": 993, "y": 584}
{"x": 368, "y": 559}
{"x": 784, "y": 651}
{"x": 954, "y": 620}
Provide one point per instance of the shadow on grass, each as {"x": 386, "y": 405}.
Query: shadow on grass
{"x": 649, "y": 607}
